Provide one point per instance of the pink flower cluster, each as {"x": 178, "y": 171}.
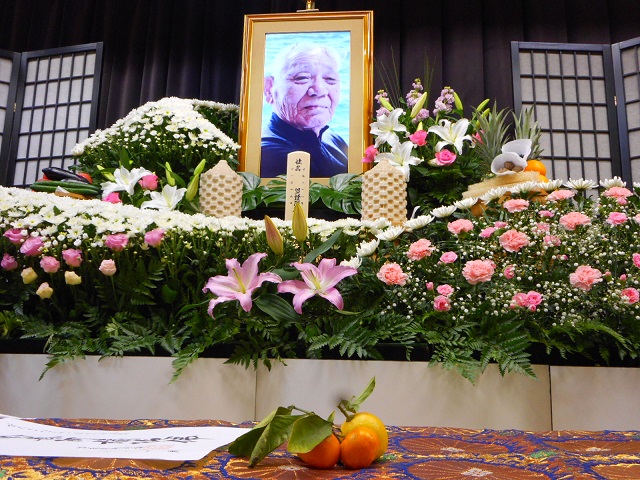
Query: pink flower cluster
{"x": 478, "y": 271}
{"x": 585, "y": 277}
{"x": 459, "y": 226}
{"x": 529, "y": 300}
{"x": 420, "y": 249}
{"x": 392, "y": 274}
{"x": 573, "y": 220}
{"x": 513, "y": 240}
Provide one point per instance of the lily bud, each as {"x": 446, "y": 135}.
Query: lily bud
{"x": 419, "y": 104}
{"x": 192, "y": 188}
{"x": 109, "y": 176}
{"x": 299, "y": 223}
{"x": 200, "y": 168}
{"x": 483, "y": 105}
{"x": 457, "y": 101}
{"x": 170, "y": 180}
{"x": 385, "y": 103}
{"x": 274, "y": 239}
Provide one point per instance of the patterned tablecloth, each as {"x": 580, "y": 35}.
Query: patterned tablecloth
{"x": 414, "y": 452}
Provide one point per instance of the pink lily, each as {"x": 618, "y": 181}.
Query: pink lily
{"x": 240, "y": 283}
{"x": 320, "y": 280}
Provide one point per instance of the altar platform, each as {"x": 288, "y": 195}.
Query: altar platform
{"x": 414, "y": 453}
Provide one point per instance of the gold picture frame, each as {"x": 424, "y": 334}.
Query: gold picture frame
{"x": 267, "y": 34}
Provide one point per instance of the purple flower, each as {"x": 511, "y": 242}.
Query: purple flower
{"x": 320, "y": 280}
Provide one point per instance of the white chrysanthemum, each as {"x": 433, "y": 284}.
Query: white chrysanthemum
{"x": 465, "y": 203}
{"x": 613, "y": 182}
{"x": 390, "y": 233}
{"x": 367, "y": 248}
{"x": 353, "y": 262}
{"x": 494, "y": 194}
{"x": 418, "y": 222}
{"x": 524, "y": 187}
{"x": 444, "y": 212}
{"x": 551, "y": 185}
{"x": 580, "y": 184}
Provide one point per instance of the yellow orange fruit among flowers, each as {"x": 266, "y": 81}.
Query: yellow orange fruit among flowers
{"x": 369, "y": 420}
{"x": 359, "y": 448}
{"x": 536, "y": 166}
{"x": 324, "y": 455}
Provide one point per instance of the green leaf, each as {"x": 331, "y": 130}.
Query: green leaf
{"x": 276, "y": 307}
{"x": 307, "y": 432}
{"x": 353, "y": 405}
{"x": 313, "y": 254}
{"x": 244, "y": 445}
{"x": 274, "y": 435}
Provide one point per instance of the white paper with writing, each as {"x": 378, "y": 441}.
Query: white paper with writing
{"x": 30, "y": 439}
{"x": 297, "y": 183}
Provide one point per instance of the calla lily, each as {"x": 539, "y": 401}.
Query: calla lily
{"x": 124, "y": 181}
{"x": 451, "y": 133}
{"x": 521, "y": 147}
{"x": 320, "y": 280}
{"x": 240, "y": 282}
{"x": 386, "y": 127}
{"x": 400, "y": 157}
{"x": 168, "y": 199}
{"x": 274, "y": 238}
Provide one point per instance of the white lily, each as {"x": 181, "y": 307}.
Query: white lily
{"x": 125, "y": 181}
{"x": 451, "y": 133}
{"x": 168, "y": 199}
{"x": 386, "y": 127}
{"x": 400, "y": 157}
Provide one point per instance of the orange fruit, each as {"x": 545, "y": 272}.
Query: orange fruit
{"x": 359, "y": 448}
{"x": 87, "y": 176}
{"x": 542, "y": 178}
{"x": 366, "y": 419}
{"x": 324, "y": 455}
{"x": 536, "y": 166}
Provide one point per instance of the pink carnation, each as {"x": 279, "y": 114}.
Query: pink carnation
{"x": 442, "y": 303}
{"x": 445, "y": 157}
{"x": 14, "y": 235}
{"x": 500, "y": 224}
{"x": 630, "y": 295}
{"x": 636, "y": 259}
{"x": 546, "y": 213}
{"x": 50, "y": 264}
{"x": 478, "y": 271}
{"x": 392, "y": 274}
{"x": 552, "y": 240}
{"x": 8, "y": 262}
{"x": 529, "y": 300}
{"x": 429, "y": 286}
{"x": 72, "y": 257}
{"x": 509, "y": 272}
{"x": 559, "y": 195}
{"x": 513, "y": 240}
{"x": 516, "y": 205}
{"x": 543, "y": 227}
{"x": 572, "y": 220}
{"x": 460, "y": 226}
{"x": 32, "y": 246}
{"x": 616, "y": 218}
{"x": 420, "y": 249}
{"x": 585, "y": 277}
{"x": 154, "y": 237}
{"x": 149, "y": 182}
{"x": 487, "y": 232}
{"x": 617, "y": 192}
{"x": 419, "y": 138}
{"x": 117, "y": 241}
{"x": 113, "y": 197}
{"x": 448, "y": 257}
{"x": 445, "y": 290}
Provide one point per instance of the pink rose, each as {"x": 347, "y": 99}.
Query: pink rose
{"x": 445, "y": 157}
{"x": 15, "y": 236}
{"x": 623, "y": 277}
{"x": 552, "y": 240}
{"x": 636, "y": 259}
{"x": 107, "y": 267}
{"x": 370, "y": 154}
{"x": 419, "y": 138}
{"x": 487, "y": 232}
{"x": 585, "y": 277}
{"x": 32, "y": 246}
{"x": 519, "y": 300}
{"x": 154, "y": 237}
{"x": 500, "y": 224}
{"x": 445, "y": 290}
{"x": 113, "y": 197}
{"x": 149, "y": 182}
{"x": 617, "y": 192}
{"x": 509, "y": 272}
{"x": 448, "y": 257}
{"x": 559, "y": 195}
{"x": 392, "y": 274}
{"x": 72, "y": 257}
{"x": 420, "y": 249}
{"x": 8, "y": 262}
{"x": 616, "y": 218}
{"x": 441, "y": 303}
{"x": 630, "y": 295}
{"x": 49, "y": 264}
{"x": 478, "y": 271}
{"x": 572, "y": 220}
{"x": 460, "y": 226}
{"x": 429, "y": 286}
{"x": 513, "y": 240}
{"x": 516, "y": 205}
{"x": 546, "y": 213}
{"x": 117, "y": 241}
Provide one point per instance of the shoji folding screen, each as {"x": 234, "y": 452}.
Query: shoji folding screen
{"x": 49, "y": 100}
{"x": 585, "y": 98}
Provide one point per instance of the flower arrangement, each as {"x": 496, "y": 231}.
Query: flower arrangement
{"x": 166, "y": 143}
{"x": 561, "y": 271}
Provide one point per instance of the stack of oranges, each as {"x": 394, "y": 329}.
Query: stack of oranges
{"x": 537, "y": 166}
{"x": 364, "y": 440}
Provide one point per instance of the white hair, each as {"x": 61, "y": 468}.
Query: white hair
{"x": 287, "y": 56}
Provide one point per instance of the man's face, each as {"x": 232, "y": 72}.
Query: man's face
{"x": 306, "y": 92}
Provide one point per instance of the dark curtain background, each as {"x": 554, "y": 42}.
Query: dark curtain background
{"x": 193, "y": 48}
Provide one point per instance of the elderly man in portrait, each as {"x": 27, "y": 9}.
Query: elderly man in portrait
{"x": 304, "y": 91}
